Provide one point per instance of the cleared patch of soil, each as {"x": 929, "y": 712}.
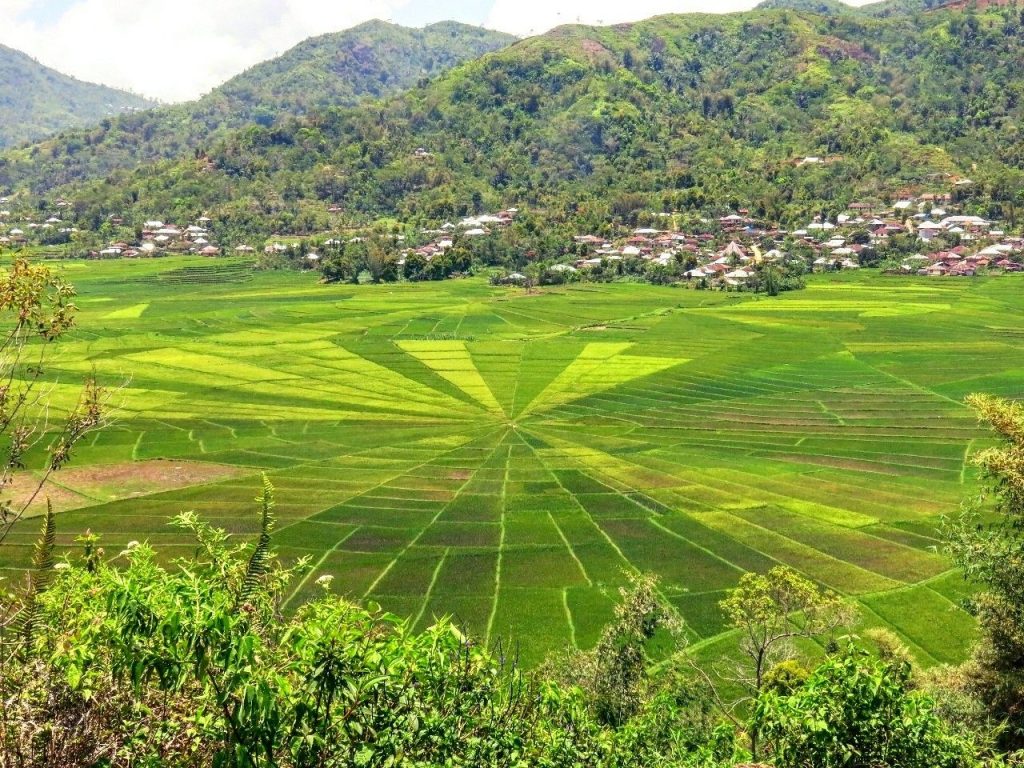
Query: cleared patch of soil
{"x": 75, "y": 487}
{"x": 594, "y": 48}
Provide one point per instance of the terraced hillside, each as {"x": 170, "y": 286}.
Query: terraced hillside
{"x": 459, "y": 448}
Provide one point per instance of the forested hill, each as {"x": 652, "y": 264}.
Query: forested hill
{"x": 36, "y": 101}
{"x": 689, "y": 112}
{"x": 374, "y": 59}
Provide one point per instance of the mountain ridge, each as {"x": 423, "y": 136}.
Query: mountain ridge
{"x": 375, "y": 58}
{"x": 37, "y": 100}
{"x": 879, "y": 8}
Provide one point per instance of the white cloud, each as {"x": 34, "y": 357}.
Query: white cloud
{"x": 173, "y": 50}
{"x": 530, "y": 17}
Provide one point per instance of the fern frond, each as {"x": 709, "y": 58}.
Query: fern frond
{"x": 42, "y": 570}
{"x": 259, "y": 562}
{"x": 42, "y": 554}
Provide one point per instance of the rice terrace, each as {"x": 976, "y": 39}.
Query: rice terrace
{"x": 506, "y": 457}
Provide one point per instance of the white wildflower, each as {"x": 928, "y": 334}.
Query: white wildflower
{"x": 325, "y": 581}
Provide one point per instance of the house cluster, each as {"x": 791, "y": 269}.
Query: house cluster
{"x": 657, "y": 246}
{"x": 311, "y": 258}
{"x": 972, "y": 243}
{"x": 968, "y": 228}
{"x": 824, "y": 244}
{"x": 700, "y": 252}
{"x": 731, "y": 265}
{"x": 160, "y": 238}
{"x": 1005, "y": 255}
{"x": 19, "y": 229}
{"x": 927, "y": 215}
{"x": 435, "y": 241}
{"x": 445, "y": 236}
{"x": 932, "y": 220}
{"x": 979, "y": 245}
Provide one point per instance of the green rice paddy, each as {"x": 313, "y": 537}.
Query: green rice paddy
{"x": 456, "y": 448}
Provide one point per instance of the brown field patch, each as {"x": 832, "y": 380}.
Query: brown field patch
{"x": 77, "y": 487}
{"x": 838, "y": 462}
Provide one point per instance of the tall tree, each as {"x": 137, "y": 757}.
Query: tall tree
{"x": 991, "y": 554}
{"x": 36, "y": 309}
{"x": 771, "y": 611}
{"x": 613, "y": 674}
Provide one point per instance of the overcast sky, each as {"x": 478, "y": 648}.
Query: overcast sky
{"x": 175, "y": 50}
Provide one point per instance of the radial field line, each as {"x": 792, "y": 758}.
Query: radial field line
{"x": 572, "y": 552}
{"x": 501, "y": 549}
{"x": 355, "y": 494}
{"x": 583, "y": 509}
{"x": 568, "y": 617}
{"x": 430, "y": 588}
{"x": 705, "y": 550}
{"x": 312, "y": 570}
{"x": 967, "y": 460}
{"x": 424, "y": 529}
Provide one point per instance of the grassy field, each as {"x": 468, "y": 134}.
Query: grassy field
{"x": 455, "y": 448}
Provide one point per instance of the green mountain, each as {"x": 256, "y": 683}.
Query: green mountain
{"x": 36, "y": 101}
{"x": 694, "y": 112}
{"x": 371, "y": 60}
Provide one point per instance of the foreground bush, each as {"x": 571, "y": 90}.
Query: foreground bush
{"x": 990, "y": 550}
{"x": 125, "y": 662}
{"x": 855, "y": 710}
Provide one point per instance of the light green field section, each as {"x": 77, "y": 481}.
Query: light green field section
{"x": 128, "y": 313}
{"x": 452, "y": 361}
{"x": 598, "y": 367}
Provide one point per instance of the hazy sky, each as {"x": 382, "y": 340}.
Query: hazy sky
{"x": 178, "y": 49}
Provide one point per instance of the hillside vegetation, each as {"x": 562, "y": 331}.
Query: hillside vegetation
{"x": 677, "y": 112}
{"x": 36, "y": 101}
{"x": 881, "y": 8}
{"x": 371, "y": 60}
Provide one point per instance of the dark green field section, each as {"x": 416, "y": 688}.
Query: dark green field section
{"x": 507, "y": 459}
